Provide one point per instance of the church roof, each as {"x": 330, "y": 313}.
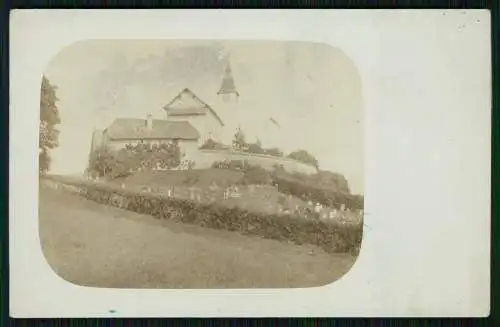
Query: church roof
{"x": 186, "y": 103}
{"x": 135, "y": 128}
{"x": 228, "y": 85}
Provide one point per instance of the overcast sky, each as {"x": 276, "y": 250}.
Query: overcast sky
{"x": 312, "y": 90}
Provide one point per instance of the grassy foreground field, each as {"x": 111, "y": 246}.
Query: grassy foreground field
{"x": 93, "y": 245}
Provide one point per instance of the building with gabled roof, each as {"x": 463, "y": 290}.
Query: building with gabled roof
{"x": 189, "y": 120}
{"x": 218, "y": 126}
{"x": 124, "y": 131}
{"x": 186, "y": 103}
{"x": 187, "y": 107}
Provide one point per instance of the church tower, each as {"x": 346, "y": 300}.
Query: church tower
{"x": 229, "y": 104}
{"x": 228, "y": 89}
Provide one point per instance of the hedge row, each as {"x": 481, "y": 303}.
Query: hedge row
{"x": 331, "y": 236}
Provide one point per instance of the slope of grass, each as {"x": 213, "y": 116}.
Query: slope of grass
{"x": 94, "y": 245}
{"x": 198, "y": 177}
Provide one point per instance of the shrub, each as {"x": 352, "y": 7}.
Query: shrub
{"x": 306, "y": 187}
{"x": 114, "y": 164}
{"x": 332, "y": 236}
{"x": 209, "y": 144}
{"x": 327, "y": 188}
{"x": 231, "y": 164}
{"x": 327, "y": 179}
{"x": 212, "y": 145}
{"x": 219, "y": 164}
{"x": 326, "y": 197}
{"x": 304, "y": 157}
{"x": 239, "y": 142}
{"x": 274, "y": 152}
{"x": 254, "y": 148}
{"x": 238, "y": 164}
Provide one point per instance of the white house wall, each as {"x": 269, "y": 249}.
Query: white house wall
{"x": 207, "y": 125}
{"x": 189, "y": 148}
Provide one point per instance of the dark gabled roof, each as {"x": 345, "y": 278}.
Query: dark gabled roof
{"x": 135, "y": 128}
{"x": 177, "y": 107}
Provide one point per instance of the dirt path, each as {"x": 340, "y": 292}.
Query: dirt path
{"x": 95, "y": 245}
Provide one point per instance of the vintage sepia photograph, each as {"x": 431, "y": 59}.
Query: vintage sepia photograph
{"x": 201, "y": 164}
{"x": 249, "y": 163}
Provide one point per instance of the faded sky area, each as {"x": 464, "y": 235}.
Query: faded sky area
{"x": 312, "y": 90}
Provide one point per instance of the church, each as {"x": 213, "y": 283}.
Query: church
{"x": 210, "y": 123}
{"x": 189, "y": 120}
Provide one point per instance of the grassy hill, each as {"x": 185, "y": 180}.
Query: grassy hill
{"x": 209, "y": 185}
{"x": 195, "y": 177}
{"x": 100, "y": 246}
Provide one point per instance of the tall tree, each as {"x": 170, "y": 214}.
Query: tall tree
{"x": 49, "y": 118}
{"x": 239, "y": 142}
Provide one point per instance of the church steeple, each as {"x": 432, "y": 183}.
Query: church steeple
{"x": 228, "y": 87}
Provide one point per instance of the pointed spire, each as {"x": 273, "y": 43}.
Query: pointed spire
{"x": 228, "y": 86}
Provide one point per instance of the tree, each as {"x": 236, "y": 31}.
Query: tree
{"x": 49, "y": 118}
{"x": 209, "y": 144}
{"x": 102, "y": 161}
{"x": 254, "y": 148}
{"x": 212, "y": 145}
{"x": 274, "y": 152}
{"x": 239, "y": 142}
{"x": 114, "y": 164}
{"x": 304, "y": 156}
{"x": 44, "y": 161}
{"x": 168, "y": 155}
